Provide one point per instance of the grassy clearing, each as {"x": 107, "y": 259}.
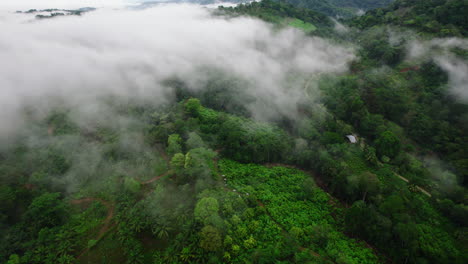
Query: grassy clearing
{"x": 305, "y": 26}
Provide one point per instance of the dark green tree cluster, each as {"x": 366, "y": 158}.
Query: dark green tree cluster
{"x": 438, "y": 17}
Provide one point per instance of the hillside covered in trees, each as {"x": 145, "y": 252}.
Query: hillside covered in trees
{"x": 266, "y": 133}
{"x": 338, "y": 8}
{"x": 438, "y": 17}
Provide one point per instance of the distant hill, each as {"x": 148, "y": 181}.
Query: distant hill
{"x": 339, "y": 8}
{"x": 439, "y": 17}
{"x": 53, "y": 12}
{"x": 149, "y": 3}
{"x": 284, "y": 14}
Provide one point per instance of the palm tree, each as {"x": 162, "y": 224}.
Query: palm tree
{"x": 162, "y": 231}
{"x": 186, "y": 254}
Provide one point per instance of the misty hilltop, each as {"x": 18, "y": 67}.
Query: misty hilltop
{"x": 233, "y": 132}
{"x": 50, "y": 13}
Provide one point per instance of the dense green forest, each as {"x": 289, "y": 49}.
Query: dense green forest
{"x": 199, "y": 180}
{"x": 439, "y": 17}
{"x": 282, "y": 14}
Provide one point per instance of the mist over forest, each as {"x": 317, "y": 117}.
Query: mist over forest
{"x": 233, "y": 131}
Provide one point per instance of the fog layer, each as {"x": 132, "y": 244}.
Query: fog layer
{"x": 456, "y": 67}
{"x": 130, "y": 53}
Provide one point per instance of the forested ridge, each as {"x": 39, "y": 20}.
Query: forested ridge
{"x": 439, "y": 17}
{"x": 338, "y": 8}
{"x": 201, "y": 178}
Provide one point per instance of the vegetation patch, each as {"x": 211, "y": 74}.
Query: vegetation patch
{"x": 305, "y": 26}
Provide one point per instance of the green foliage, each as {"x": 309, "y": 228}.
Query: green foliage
{"x": 306, "y": 27}
{"x": 338, "y": 8}
{"x": 332, "y": 138}
{"x": 194, "y": 141}
{"x": 178, "y": 162}
{"x": 245, "y": 140}
{"x": 55, "y": 241}
{"x": 388, "y": 144}
{"x": 276, "y": 12}
{"x": 92, "y": 243}
{"x": 393, "y": 221}
{"x": 442, "y": 18}
{"x": 174, "y": 144}
{"x": 206, "y": 208}
{"x": 132, "y": 185}
{"x": 273, "y": 214}
{"x": 47, "y": 210}
{"x": 399, "y": 108}
{"x": 363, "y": 184}
{"x": 210, "y": 238}
{"x": 59, "y": 123}
{"x": 193, "y": 107}
{"x": 280, "y": 190}
{"x": 14, "y": 259}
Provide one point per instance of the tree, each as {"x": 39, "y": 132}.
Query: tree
{"x": 205, "y": 208}
{"x": 193, "y": 107}
{"x": 331, "y": 138}
{"x": 194, "y": 141}
{"x": 250, "y": 242}
{"x": 370, "y": 156}
{"x": 132, "y": 185}
{"x": 14, "y": 259}
{"x": 368, "y": 223}
{"x": 47, "y": 210}
{"x": 178, "y": 163}
{"x": 363, "y": 184}
{"x": 186, "y": 254}
{"x": 210, "y": 238}
{"x": 372, "y": 125}
{"x": 387, "y": 144}
{"x": 174, "y": 144}
{"x": 162, "y": 230}
{"x": 197, "y": 163}
{"x": 297, "y": 232}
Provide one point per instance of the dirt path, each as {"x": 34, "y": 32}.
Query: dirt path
{"x": 107, "y": 221}
{"x": 321, "y": 185}
{"x": 166, "y": 158}
{"x": 161, "y": 151}
{"x": 423, "y": 191}
{"x": 155, "y": 178}
{"x": 417, "y": 187}
{"x": 106, "y": 226}
{"x": 403, "y": 178}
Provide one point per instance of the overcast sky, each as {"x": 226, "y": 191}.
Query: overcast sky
{"x": 14, "y": 5}
{"x": 27, "y": 4}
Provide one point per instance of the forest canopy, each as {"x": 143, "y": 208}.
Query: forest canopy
{"x": 177, "y": 133}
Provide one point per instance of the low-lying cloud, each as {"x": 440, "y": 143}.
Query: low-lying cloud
{"x": 439, "y": 50}
{"x": 126, "y": 53}
{"x": 457, "y": 70}
{"x": 42, "y": 4}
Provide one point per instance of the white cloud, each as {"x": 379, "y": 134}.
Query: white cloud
{"x": 439, "y": 50}
{"x": 457, "y": 70}
{"x": 30, "y": 4}
{"x": 129, "y": 53}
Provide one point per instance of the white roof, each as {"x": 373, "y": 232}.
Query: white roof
{"x": 352, "y": 138}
